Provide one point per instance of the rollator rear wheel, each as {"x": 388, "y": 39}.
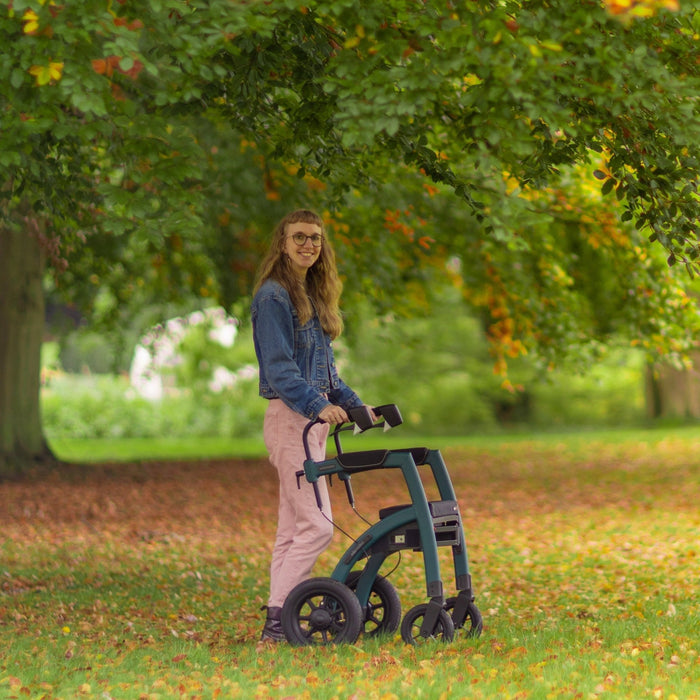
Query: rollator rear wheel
{"x": 383, "y": 612}
{"x": 321, "y": 611}
{"x": 410, "y": 627}
{"x": 471, "y": 625}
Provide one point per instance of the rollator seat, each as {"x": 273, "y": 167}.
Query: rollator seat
{"x": 374, "y": 459}
{"x": 357, "y": 461}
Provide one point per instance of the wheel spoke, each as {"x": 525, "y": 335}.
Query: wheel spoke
{"x": 378, "y": 605}
{"x": 337, "y": 622}
{"x": 373, "y": 618}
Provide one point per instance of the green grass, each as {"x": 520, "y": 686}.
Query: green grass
{"x": 145, "y": 580}
{"x": 132, "y": 449}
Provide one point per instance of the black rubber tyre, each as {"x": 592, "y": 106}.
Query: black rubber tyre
{"x": 471, "y": 625}
{"x": 383, "y": 612}
{"x": 443, "y": 631}
{"x": 321, "y": 611}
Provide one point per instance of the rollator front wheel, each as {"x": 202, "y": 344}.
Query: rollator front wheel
{"x": 471, "y": 625}
{"x": 321, "y": 611}
{"x": 410, "y": 627}
{"x": 382, "y": 614}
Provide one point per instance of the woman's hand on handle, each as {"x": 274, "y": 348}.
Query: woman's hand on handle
{"x": 333, "y": 414}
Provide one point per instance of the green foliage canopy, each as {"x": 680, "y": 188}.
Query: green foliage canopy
{"x": 117, "y": 119}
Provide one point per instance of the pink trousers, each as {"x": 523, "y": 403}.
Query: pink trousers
{"x": 302, "y": 531}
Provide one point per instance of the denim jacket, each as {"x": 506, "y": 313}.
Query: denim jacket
{"x": 296, "y": 362}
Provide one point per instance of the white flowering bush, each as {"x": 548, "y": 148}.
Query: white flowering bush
{"x": 192, "y": 376}
{"x": 190, "y": 354}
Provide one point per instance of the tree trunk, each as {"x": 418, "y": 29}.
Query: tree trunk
{"x": 22, "y": 264}
{"x": 673, "y": 393}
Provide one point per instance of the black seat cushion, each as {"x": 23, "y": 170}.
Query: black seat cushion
{"x": 369, "y": 459}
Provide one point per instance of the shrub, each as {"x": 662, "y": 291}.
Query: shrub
{"x": 438, "y": 370}
{"x": 104, "y": 406}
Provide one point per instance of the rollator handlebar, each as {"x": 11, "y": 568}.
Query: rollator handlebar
{"x": 360, "y": 421}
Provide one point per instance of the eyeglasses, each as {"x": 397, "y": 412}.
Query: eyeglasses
{"x": 301, "y": 238}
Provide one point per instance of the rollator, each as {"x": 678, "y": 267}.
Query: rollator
{"x": 355, "y": 599}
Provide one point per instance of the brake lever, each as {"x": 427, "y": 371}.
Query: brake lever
{"x": 317, "y": 493}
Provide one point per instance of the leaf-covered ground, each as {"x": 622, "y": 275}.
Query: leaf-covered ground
{"x": 145, "y": 581}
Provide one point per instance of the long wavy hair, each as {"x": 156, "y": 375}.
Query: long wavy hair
{"x": 321, "y": 291}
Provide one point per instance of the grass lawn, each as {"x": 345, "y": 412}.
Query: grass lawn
{"x": 144, "y": 579}
{"x": 138, "y": 449}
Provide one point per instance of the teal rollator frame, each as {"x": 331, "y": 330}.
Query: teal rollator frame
{"x": 351, "y": 600}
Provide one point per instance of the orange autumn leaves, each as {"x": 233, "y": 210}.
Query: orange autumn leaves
{"x": 108, "y": 65}
{"x": 51, "y": 72}
{"x": 394, "y": 224}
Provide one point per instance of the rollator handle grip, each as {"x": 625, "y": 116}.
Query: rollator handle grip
{"x": 361, "y": 417}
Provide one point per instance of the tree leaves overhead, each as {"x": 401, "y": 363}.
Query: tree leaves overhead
{"x": 465, "y": 91}
{"x": 104, "y": 107}
{"x": 448, "y": 86}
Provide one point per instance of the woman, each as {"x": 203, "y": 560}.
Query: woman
{"x": 295, "y": 316}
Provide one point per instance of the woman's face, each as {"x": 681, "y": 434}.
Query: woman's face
{"x": 303, "y": 256}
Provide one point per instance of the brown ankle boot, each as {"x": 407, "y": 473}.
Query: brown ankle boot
{"x": 272, "y": 631}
